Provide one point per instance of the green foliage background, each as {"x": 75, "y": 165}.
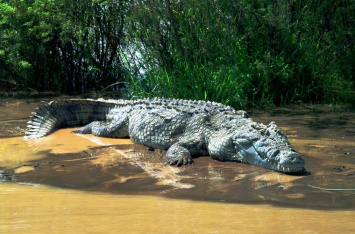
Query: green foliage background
{"x": 236, "y": 52}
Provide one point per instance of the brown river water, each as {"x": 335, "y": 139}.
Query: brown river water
{"x": 67, "y": 183}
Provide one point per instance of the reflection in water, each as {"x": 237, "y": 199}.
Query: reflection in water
{"x": 43, "y": 209}
{"x": 268, "y": 179}
{"x": 159, "y": 169}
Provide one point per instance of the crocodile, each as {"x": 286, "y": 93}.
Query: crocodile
{"x": 184, "y": 128}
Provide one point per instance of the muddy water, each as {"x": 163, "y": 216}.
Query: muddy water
{"x": 70, "y": 183}
{"x": 42, "y": 209}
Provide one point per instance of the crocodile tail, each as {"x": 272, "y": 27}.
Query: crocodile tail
{"x": 54, "y": 115}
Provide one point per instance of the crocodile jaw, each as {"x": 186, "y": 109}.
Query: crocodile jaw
{"x": 286, "y": 162}
{"x": 284, "y": 159}
{"x": 267, "y": 146}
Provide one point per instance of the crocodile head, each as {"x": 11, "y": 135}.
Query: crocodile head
{"x": 261, "y": 145}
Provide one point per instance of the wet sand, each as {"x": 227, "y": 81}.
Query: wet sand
{"x": 89, "y": 178}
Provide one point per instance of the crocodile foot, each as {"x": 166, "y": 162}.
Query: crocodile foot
{"x": 178, "y": 155}
{"x": 182, "y": 160}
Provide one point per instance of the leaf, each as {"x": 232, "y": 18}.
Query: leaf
{"x": 25, "y": 64}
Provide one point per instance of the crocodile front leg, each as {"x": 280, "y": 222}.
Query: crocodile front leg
{"x": 178, "y": 155}
{"x": 180, "y": 152}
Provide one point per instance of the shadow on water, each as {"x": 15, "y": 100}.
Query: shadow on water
{"x": 325, "y": 139}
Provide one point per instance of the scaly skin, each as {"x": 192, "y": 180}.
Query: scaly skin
{"x": 182, "y": 127}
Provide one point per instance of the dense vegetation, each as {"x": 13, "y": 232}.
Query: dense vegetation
{"x": 258, "y": 52}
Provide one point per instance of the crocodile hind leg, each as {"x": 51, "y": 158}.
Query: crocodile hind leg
{"x": 111, "y": 129}
{"x": 87, "y": 129}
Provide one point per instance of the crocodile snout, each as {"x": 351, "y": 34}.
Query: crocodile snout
{"x": 292, "y": 160}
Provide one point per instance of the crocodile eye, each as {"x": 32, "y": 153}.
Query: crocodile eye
{"x": 260, "y": 142}
{"x": 242, "y": 143}
{"x": 274, "y": 153}
{"x": 239, "y": 136}
{"x": 265, "y": 132}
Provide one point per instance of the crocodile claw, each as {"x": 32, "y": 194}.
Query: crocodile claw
{"x": 182, "y": 160}
{"x": 178, "y": 155}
